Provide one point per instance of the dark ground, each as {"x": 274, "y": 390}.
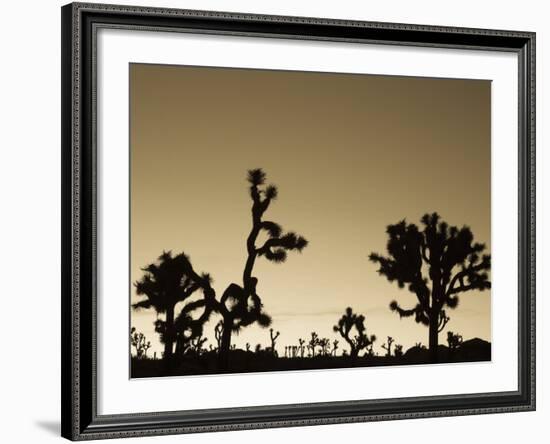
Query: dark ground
{"x": 241, "y": 361}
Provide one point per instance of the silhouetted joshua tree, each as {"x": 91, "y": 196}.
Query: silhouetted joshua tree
{"x": 334, "y": 347}
{"x": 197, "y": 344}
{"x": 140, "y": 342}
{"x": 387, "y": 345}
{"x": 436, "y": 263}
{"x": 218, "y": 330}
{"x": 358, "y": 339}
{"x": 454, "y": 341}
{"x": 273, "y": 336}
{"x": 301, "y": 346}
{"x": 398, "y": 350}
{"x": 165, "y": 284}
{"x": 324, "y": 343}
{"x": 188, "y": 334}
{"x": 247, "y": 346}
{"x": 370, "y": 353}
{"x": 313, "y": 342}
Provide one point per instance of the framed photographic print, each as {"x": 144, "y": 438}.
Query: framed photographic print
{"x": 279, "y": 221}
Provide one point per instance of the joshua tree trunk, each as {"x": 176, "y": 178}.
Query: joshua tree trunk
{"x": 434, "y": 336}
{"x": 353, "y": 354}
{"x": 224, "y": 349}
{"x": 169, "y": 335}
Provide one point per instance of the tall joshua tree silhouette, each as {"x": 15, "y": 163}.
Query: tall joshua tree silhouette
{"x": 165, "y": 284}
{"x": 358, "y": 339}
{"x": 240, "y": 305}
{"x": 436, "y": 263}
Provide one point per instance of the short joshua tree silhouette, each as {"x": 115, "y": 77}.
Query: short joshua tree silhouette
{"x": 140, "y": 343}
{"x": 334, "y": 347}
{"x": 164, "y": 285}
{"x": 398, "y": 350}
{"x": 218, "y": 329}
{"x": 369, "y": 351}
{"x": 301, "y": 346}
{"x": 436, "y": 263}
{"x": 454, "y": 341}
{"x": 387, "y": 345}
{"x": 187, "y": 336}
{"x": 197, "y": 344}
{"x": 324, "y": 344}
{"x": 351, "y": 327}
{"x": 273, "y": 337}
{"x": 313, "y": 343}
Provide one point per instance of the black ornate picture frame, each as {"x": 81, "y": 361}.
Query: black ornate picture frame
{"x": 80, "y": 419}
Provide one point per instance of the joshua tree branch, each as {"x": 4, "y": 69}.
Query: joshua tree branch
{"x": 443, "y": 319}
{"x": 461, "y": 289}
{"x": 469, "y": 271}
{"x": 424, "y": 250}
{"x": 402, "y": 312}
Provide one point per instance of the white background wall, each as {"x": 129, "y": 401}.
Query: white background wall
{"x": 30, "y": 219}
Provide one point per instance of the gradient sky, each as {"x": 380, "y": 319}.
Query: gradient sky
{"x": 349, "y": 153}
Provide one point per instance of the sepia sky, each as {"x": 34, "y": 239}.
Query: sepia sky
{"x": 350, "y": 154}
